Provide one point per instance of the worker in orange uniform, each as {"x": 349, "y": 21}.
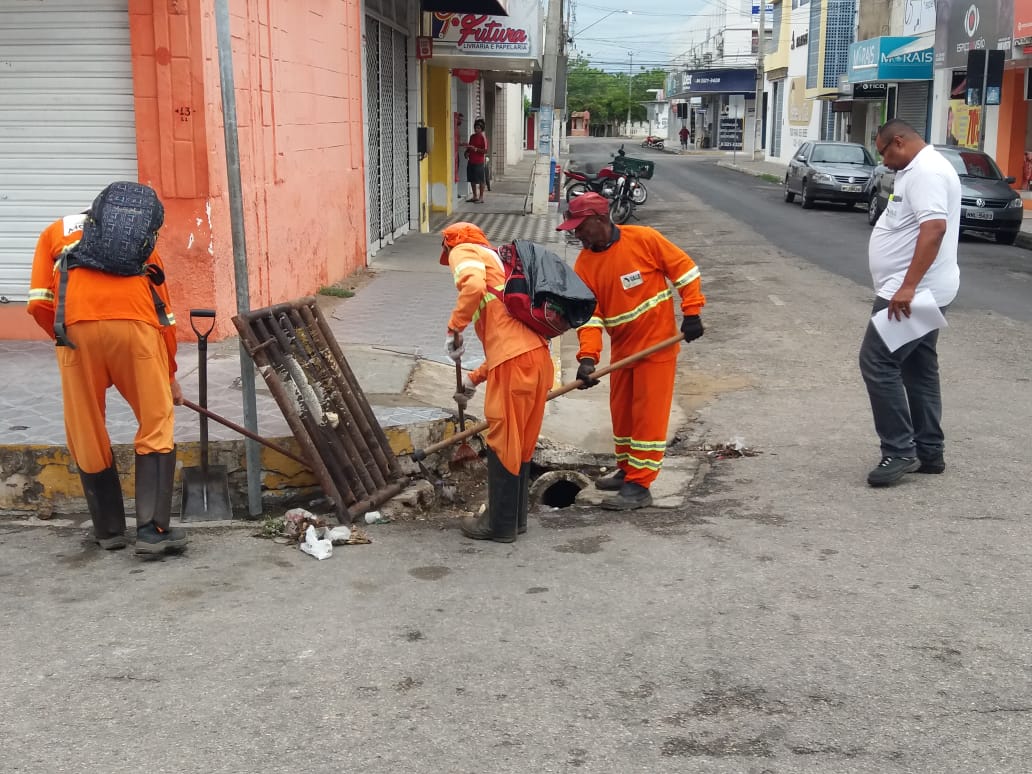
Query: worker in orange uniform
{"x": 112, "y": 336}
{"x": 627, "y": 268}
{"x": 518, "y": 371}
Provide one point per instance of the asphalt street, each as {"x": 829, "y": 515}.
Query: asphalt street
{"x": 790, "y": 620}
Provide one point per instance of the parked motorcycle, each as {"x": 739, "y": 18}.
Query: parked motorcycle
{"x": 653, "y": 141}
{"x": 621, "y": 206}
{"x": 604, "y": 181}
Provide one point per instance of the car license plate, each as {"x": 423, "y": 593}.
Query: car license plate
{"x": 852, "y": 188}
{"x": 979, "y": 214}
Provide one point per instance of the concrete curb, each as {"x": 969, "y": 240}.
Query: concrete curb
{"x": 44, "y": 481}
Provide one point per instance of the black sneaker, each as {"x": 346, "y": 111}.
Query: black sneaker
{"x": 612, "y": 482}
{"x": 112, "y": 543}
{"x": 892, "y": 469}
{"x": 151, "y": 541}
{"x": 932, "y": 465}
{"x": 629, "y": 498}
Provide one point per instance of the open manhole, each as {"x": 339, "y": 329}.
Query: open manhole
{"x": 558, "y": 488}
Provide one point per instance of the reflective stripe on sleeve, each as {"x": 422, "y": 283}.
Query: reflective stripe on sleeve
{"x": 688, "y": 276}
{"x": 645, "y": 306}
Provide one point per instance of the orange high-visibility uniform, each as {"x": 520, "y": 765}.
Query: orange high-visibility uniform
{"x": 517, "y": 369}
{"x": 636, "y": 306}
{"x": 119, "y": 341}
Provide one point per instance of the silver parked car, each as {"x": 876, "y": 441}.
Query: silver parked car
{"x": 988, "y": 203}
{"x": 829, "y": 171}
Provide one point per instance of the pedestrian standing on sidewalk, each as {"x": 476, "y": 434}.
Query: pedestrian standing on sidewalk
{"x": 683, "y": 134}
{"x": 913, "y": 247}
{"x": 627, "y": 268}
{"x": 518, "y": 371}
{"x": 114, "y": 330}
{"x": 476, "y": 161}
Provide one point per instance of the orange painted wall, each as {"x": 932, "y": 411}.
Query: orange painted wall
{"x": 298, "y": 81}
{"x": 1010, "y": 137}
{"x": 298, "y": 78}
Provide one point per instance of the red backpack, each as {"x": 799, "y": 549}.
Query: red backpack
{"x": 546, "y": 313}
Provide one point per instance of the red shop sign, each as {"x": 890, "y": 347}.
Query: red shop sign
{"x": 466, "y": 74}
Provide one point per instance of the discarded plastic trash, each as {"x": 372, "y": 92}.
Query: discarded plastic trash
{"x": 338, "y": 535}
{"x": 375, "y": 517}
{"x": 320, "y": 548}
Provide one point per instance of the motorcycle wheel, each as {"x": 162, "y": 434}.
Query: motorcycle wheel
{"x": 660, "y": 145}
{"x": 645, "y": 144}
{"x": 576, "y": 189}
{"x": 621, "y": 210}
{"x": 639, "y": 194}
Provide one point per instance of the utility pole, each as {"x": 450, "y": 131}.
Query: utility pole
{"x": 546, "y": 112}
{"x": 630, "y": 79}
{"x": 758, "y": 110}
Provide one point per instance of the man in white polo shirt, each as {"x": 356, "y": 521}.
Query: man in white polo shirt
{"x": 913, "y": 247}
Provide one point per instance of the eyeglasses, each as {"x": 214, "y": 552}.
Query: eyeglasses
{"x": 881, "y": 151}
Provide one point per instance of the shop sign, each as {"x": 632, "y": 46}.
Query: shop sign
{"x": 974, "y": 25}
{"x": 1022, "y": 22}
{"x": 483, "y": 35}
{"x": 741, "y": 81}
{"x": 889, "y": 59}
{"x": 729, "y": 134}
{"x": 466, "y": 74}
{"x": 424, "y": 47}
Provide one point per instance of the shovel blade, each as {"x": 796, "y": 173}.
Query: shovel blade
{"x": 206, "y": 498}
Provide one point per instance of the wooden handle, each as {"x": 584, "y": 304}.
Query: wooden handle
{"x": 245, "y": 432}
{"x": 421, "y": 454}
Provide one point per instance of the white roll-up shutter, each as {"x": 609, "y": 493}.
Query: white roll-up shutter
{"x": 67, "y": 126}
{"x": 912, "y": 105}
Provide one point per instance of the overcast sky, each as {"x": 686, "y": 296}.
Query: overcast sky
{"x": 655, "y": 31}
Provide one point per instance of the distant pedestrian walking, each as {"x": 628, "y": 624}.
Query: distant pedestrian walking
{"x": 913, "y": 248}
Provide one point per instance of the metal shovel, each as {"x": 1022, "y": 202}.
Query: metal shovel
{"x": 205, "y": 489}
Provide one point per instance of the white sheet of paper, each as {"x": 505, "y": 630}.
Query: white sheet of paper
{"x": 924, "y": 317}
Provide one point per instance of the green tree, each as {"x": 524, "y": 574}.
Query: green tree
{"x": 605, "y": 95}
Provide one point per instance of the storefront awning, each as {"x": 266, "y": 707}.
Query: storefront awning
{"x": 891, "y": 59}
{"x": 492, "y": 7}
{"x": 725, "y": 81}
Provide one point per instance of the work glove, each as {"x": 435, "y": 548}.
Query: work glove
{"x": 454, "y": 346}
{"x": 465, "y": 395}
{"x": 587, "y": 368}
{"x": 691, "y": 327}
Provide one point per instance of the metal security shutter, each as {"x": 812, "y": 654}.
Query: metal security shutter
{"x": 67, "y": 126}
{"x": 912, "y": 105}
{"x": 387, "y": 171}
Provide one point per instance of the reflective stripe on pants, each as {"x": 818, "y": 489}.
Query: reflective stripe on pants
{"x": 639, "y": 401}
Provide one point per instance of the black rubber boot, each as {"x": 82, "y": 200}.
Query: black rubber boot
{"x": 107, "y": 509}
{"x": 499, "y": 521}
{"x": 521, "y": 513}
{"x": 630, "y": 497}
{"x": 612, "y": 482}
{"x": 155, "y": 473}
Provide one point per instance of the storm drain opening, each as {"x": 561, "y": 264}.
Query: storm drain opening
{"x": 558, "y": 488}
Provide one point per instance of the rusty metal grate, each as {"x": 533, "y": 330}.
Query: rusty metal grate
{"x": 299, "y": 358}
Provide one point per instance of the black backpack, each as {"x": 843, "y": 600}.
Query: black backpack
{"x": 118, "y": 237}
{"x": 120, "y": 231}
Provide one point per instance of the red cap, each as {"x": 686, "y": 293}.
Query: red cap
{"x": 583, "y": 207}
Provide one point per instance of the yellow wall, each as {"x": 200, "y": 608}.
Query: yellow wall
{"x": 441, "y": 159}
